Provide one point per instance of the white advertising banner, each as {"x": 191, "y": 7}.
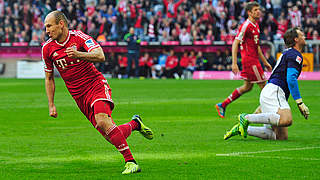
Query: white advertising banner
{"x": 30, "y": 69}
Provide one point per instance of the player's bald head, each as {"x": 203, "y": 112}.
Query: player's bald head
{"x": 58, "y": 16}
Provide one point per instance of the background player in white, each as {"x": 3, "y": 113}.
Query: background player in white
{"x": 274, "y": 96}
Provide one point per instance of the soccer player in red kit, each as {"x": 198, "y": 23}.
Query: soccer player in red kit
{"x": 252, "y": 72}
{"x": 72, "y": 52}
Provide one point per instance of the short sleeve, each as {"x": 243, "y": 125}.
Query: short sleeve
{"x": 87, "y": 42}
{"x": 47, "y": 63}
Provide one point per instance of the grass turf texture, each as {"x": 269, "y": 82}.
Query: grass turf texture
{"x": 188, "y": 142}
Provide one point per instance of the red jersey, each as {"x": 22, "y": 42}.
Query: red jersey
{"x": 185, "y": 61}
{"x": 150, "y": 62}
{"x": 79, "y": 75}
{"x": 123, "y": 62}
{"x": 142, "y": 61}
{"x": 172, "y": 62}
{"x": 248, "y": 36}
{"x": 193, "y": 60}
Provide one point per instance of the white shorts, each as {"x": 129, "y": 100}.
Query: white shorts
{"x": 272, "y": 98}
{"x": 158, "y": 67}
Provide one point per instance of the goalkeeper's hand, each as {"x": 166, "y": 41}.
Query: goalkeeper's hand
{"x": 303, "y": 108}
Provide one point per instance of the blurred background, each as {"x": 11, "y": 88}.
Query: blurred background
{"x": 197, "y": 33}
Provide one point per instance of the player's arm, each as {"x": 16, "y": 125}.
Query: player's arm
{"x": 264, "y": 60}
{"x": 95, "y": 55}
{"x": 235, "y": 45}
{"x": 50, "y": 90}
{"x": 292, "y": 76}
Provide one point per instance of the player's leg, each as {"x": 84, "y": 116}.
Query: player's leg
{"x": 275, "y": 110}
{"x": 136, "y": 125}
{"x": 281, "y": 133}
{"x": 272, "y": 113}
{"x": 136, "y": 62}
{"x": 263, "y": 132}
{"x": 221, "y": 107}
{"x": 128, "y": 127}
{"x": 105, "y": 125}
{"x": 129, "y": 67}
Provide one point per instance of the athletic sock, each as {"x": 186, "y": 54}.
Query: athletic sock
{"x": 116, "y": 138}
{"x": 233, "y": 96}
{"x": 264, "y": 118}
{"x": 132, "y": 161}
{"x": 127, "y": 128}
{"x": 153, "y": 74}
{"x": 262, "y": 132}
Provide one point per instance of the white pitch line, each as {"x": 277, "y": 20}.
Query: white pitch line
{"x": 266, "y": 151}
{"x": 278, "y": 157}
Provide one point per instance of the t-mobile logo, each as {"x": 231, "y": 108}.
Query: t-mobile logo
{"x": 62, "y": 63}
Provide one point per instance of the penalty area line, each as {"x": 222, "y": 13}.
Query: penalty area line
{"x": 266, "y": 151}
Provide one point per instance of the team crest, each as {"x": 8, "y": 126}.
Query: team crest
{"x": 298, "y": 59}
{"x": 73, "y": 46}
{"x": 89, "y": 43}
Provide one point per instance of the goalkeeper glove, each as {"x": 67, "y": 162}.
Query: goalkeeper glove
{"x": 303, "y": 108}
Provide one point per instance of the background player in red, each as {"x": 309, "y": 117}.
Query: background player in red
{"x": 72, "y": 52}
{"x": 252, "y": 72}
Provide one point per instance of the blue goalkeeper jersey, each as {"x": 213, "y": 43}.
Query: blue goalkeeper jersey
{"x": 287, "y": 71}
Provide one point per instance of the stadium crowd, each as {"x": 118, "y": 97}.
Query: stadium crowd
{"x": 158, "y": 20}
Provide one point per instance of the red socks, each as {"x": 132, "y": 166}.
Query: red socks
{"x": 233, "y": 96}
{"x": 119, "y": 141}
{"x": 118, "y": 135}
{"x": 127, "y": 128}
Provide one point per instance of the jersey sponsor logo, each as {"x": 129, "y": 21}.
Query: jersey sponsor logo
{"x": 298, "y": 59}
{"x": 89, "y": 43}
{"x": 62, "y": 63}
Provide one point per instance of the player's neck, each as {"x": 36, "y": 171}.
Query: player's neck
{"x": 63, "y": 36}
{"x": 298, "y": 48}
{"x": 252, "y": 19}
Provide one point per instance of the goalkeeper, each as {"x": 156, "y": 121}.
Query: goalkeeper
{"x": 275, "y": 110}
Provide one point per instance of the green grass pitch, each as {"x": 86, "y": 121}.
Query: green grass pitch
{"x": 188, "y": 142}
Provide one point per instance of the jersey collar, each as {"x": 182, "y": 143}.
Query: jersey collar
{"x": 65, "y": 42}
{"x": 251, "y": 22}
